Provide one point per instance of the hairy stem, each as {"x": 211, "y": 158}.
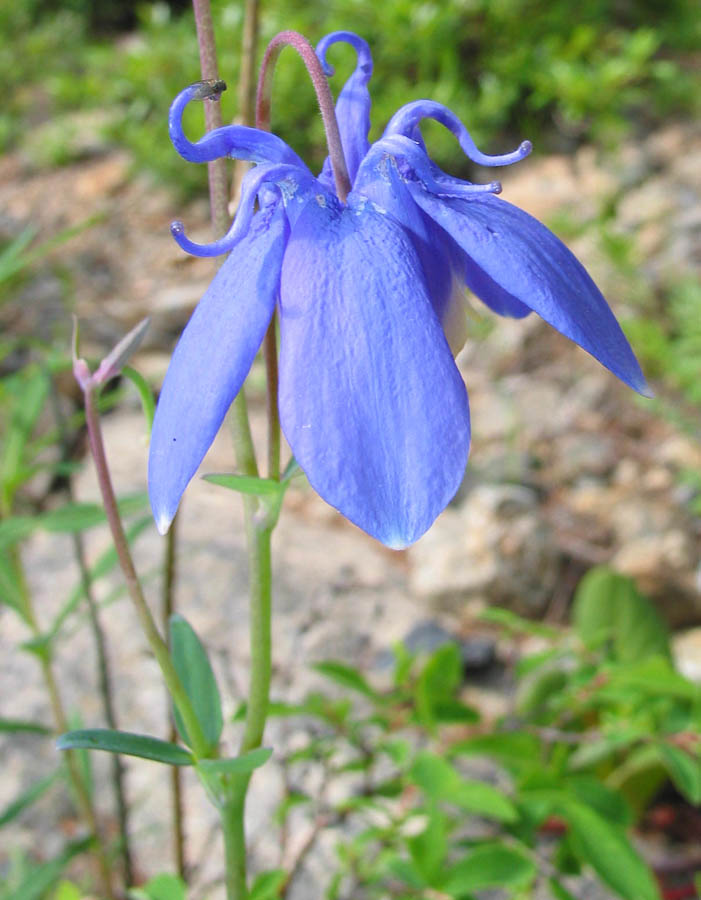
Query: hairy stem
{"x": 323, "y": 96}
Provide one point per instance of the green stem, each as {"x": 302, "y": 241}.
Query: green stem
{"x": 260, "y": 579}
{"x": 258, "y": 529}
{"x": 260, "y": 576}
{"x": 235, "y": 843}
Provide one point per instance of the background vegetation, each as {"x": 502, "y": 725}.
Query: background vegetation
{"x": 601, "y": 719}
{"x": 510, "y": 68}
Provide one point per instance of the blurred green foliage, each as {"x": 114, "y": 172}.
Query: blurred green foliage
{"x": 558, "y": 81}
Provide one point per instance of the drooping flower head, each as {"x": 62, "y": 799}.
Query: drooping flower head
{"x": 369, "y": 285}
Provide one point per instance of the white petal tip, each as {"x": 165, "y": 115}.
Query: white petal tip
{"x": 163, "y": 524}
{"x": 396, "y": 543}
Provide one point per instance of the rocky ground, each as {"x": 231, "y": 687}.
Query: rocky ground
{"x": 568, "y": 468}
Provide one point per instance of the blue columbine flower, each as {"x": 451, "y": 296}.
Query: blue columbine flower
{"x": 369, "y": 294}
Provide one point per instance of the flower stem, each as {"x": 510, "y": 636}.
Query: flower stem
{"x": 176, "y": 787}
{"x": 198, "y": 742}
{"x": 216, "y": 170}
{"x": 258, "y": 532}
{"x": 260, "y": 587}
{"x": 323, "y": 96}
{"x": 258, "y": 536}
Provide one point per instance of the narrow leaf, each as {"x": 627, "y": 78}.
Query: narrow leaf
{"x": 161, "y": 887}
{"x": 41, "y": 877}
{"x": 237, "y": 765}
{"x": 141, "y": 745}
{"x": 429, "y": 848}
{"x": 609, "y": 852}
{"x": 246, "y": 484}
{"x": 683, "y": 769}
{"x": 440, "y": 781}
{"x": 267, "y": 885}
{"x": 193, "y": 667}
{"x": 346, "y": 676}
{"x": 21, "y": 725}
{"x": 490, "y": 865}
{"x": 143, "y": 388}
{"x": 27, "y": 798}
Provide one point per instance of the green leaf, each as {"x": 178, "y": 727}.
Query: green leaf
{"x": 66, "y": 890}
{"x": 20, "y": 725}
{"x": 143, "y": 388}
{"x": 26, "y": 394}
{"x": 608, "y": 803}
{"x": 27, "y": 798}
{"x": 517, "y": 624}
{"x": 609, "y": 852}
{"x": 516, "y": 751}
{"x": 267, "y": 885}
{"x": 161, "y": 887}
{"x": 588, "y": 754}
{"x": 405, "y": 871}
{"x": 490, "y": 865}
{"x": 236, "y": 765}
{"x": 80, "y": 516}
{"x": 429, "y": 848}
{"x": 15, "y": 529}
{"x": 654, "y": 677}
{"x": 11, "y": 590}
{"x": 42, "y": 876}
{"x": 68, "y": 518}
{"x": 103, "y": 566}
{"x": 346, "y": 676}
{"x": 437, "y": 683}
{"x": 440, "y": 781}
{"x": 454, "y": 712}
{"x": 683, "y": 769}
{"x": 193, "y": 667}
{"x": 247, "y": 484}
{"x": 608, "y": 608}
{"x": 558, "y": 891}
{"x": 141, "y": 745}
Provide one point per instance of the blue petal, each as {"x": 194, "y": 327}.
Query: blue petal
{"x": 371, "y": 402}
{"x": 212, "y": 360}
{"x": 407, "y": 119}
{"x": 513, "y": 251}
{"x": 291, "y": 181}
{"x": 384, "y": 177}
{"x": 353, "y": 104}
{"x": 237, "y": 141}
{"x": 441, "y": 259}
{"x": 490, "y": 293}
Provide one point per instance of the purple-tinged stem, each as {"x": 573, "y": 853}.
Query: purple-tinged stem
{"x": 199, "y": 743}
{"x": 218, "y": 187}
{"x": 323, "y": 96}
{"x": 168, "y": 607}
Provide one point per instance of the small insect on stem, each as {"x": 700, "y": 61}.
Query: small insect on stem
{"x": 211, "y": 89}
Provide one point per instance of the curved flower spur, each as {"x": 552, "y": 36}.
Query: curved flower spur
{"x": 369, "y": 284}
